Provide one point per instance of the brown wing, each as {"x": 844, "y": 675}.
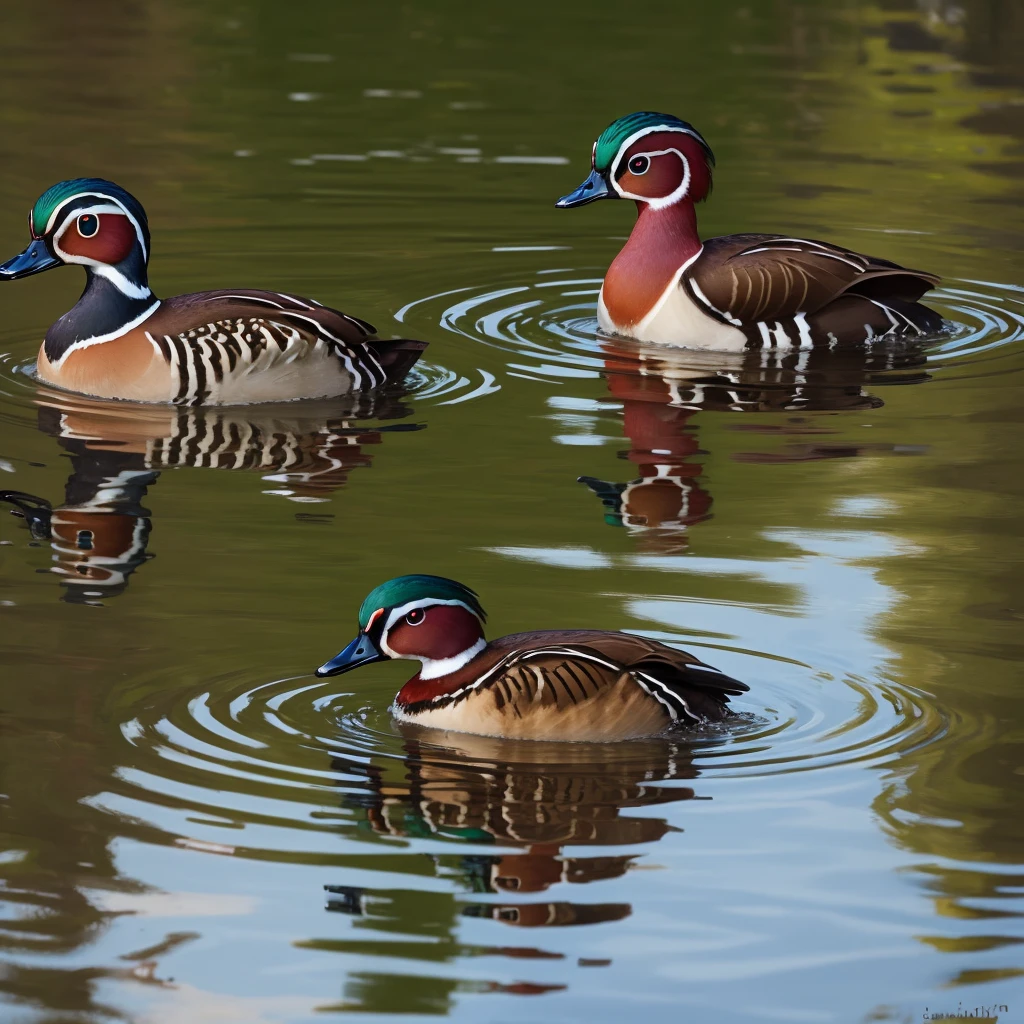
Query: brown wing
{"x": 235, "y": 303}
{"x": 746, "y": 279}
{"x": 565, "y": 668}
{"x": 205, "y": 335}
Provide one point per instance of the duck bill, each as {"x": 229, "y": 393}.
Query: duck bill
{"x": 34, "y": 260}
{"x": 362, "y": 651}
{"x": 594, "y": 188}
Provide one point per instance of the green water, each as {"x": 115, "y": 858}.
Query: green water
{"x": 843, "y": 533}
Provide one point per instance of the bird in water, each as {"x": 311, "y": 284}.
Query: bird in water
{"x": 550, "y": 684}
{"x": 233, "y": 346}
{"x": 737, "y": 291}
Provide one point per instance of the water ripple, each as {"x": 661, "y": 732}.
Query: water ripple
{"x": 295, "y": 754}
{"x": 546, "y": 330}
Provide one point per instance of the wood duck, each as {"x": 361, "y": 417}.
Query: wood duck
{"x": 737, "y": 291}
{"x": 229, "y": 347}
{"x": 577, "y": 684}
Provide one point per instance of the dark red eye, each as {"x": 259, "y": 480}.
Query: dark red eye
{"x": 416, "y": 617}
{"x": 88, "y": 225}
{"x": 639, "y": 165}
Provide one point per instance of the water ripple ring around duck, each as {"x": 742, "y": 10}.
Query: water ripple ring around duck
{"x": 548, "y": 327}
{"x": 250, "y": 757}
{"x": 428, "y": 382}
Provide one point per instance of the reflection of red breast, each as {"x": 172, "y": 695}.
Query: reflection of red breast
{"x": 650, "y": 421}
{"x": 659, "y": 429}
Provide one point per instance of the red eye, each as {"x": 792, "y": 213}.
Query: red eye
{"x": 639, "y": 165}
{"x": 416, "y": 617}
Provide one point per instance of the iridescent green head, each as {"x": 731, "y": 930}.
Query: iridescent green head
{"x": 403, "y": 590}
{"x": 628, "y": 129}
{"x": 430, "y": 619}
{"x": 654, "y": 159}
{"x": 42, "y": 217}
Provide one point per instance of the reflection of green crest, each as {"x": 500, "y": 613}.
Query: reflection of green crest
{"x": 403, "y": 589}
{"x": 57, "y": 194}
{"x": 611, "y": 139}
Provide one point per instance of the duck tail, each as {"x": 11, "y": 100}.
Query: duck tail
{"x": 396, "y": 356}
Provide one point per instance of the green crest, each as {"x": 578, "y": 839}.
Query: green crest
{"x": 403, "y": 589}
{"x": 60, "y": 193}
{"x": 610, "y": 141}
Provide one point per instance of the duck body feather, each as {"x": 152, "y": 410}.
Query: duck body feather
{"x": 227, "y": 347}
{"x": 590, "y": 685}
{"x": 751, "y": 291}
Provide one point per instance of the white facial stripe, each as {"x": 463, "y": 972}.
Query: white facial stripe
{"x": 659, "y": 204}
{"x": 648, "y": 131}
{"x": 71, "y": 221}
{"x": 119, "y": 281}
{"x": 111, "y": 206}
{"x": 403, "y": 610}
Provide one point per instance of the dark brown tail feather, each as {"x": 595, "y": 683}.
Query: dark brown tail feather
{"x": 398, "y": 356}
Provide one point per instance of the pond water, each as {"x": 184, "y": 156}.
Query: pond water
{"x": 196, "y": 828}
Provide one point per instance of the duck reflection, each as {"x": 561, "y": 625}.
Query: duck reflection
{"x": 100, "y": 532}
{"x": 544, "y": 803}
{"x": 662, "y": 391}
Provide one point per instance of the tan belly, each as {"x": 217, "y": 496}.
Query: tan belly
{"x": 621, "y": 712}
{"x": 127, "y": 368}
{"x": 131, "y": 368}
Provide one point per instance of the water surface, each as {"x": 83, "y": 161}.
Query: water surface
{"x": 195, "y": 828}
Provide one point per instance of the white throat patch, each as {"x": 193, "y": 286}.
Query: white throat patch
{"x": 657, "y": 204}
{"x": 445, "y": 666}
{"x": 116, "y": 278}
{"x": 680, "y": 192}
{"x": 109, "y": 205}
{"x": 432, "y": 669}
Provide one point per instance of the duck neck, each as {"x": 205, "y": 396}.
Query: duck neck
{"x": 115, "y": 300}
{"x": 438, "y": 678}
{"x": 662, "y": 241}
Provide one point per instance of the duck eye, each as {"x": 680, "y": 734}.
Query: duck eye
{"x": 415, "y": 617}
{"x": 639, "y": 165}
{"x": 88, "y": 225}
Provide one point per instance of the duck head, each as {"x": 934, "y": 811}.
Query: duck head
{"x": 655, "y": 159}
{"x": 429, "y": 619}
{"x": 91, "y": 222}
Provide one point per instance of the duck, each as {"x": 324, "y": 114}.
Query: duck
{"x": 564, "y": 685}
{"x": 235, "y": 346}
{"x": 745, "y": 291}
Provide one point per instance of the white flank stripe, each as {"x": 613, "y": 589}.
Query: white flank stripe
{"x": 804, "y": 330}
{"x": 703, "y": 298}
